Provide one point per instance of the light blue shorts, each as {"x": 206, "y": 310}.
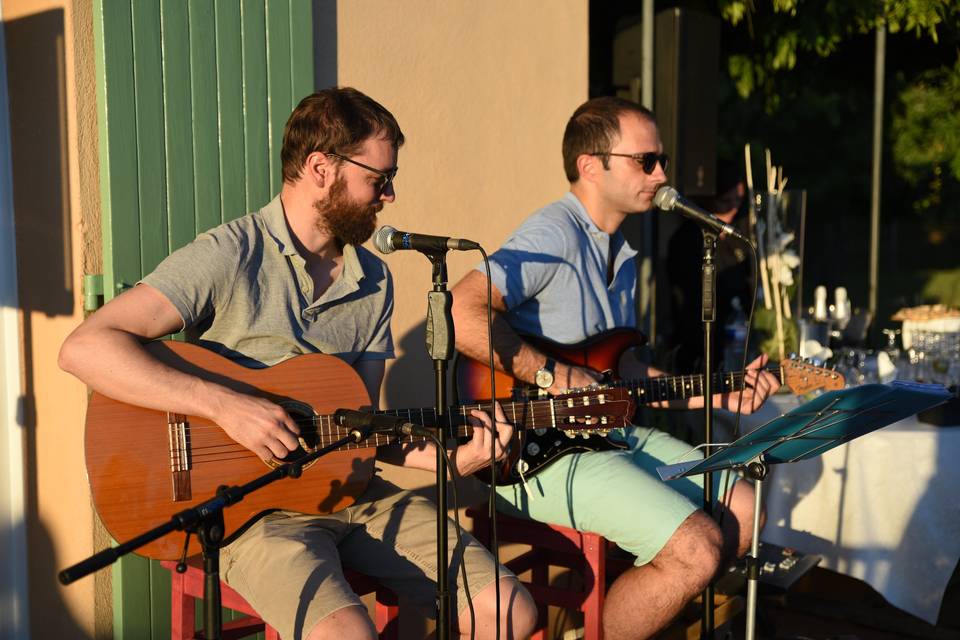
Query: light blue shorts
{"x": 617, "y": 494}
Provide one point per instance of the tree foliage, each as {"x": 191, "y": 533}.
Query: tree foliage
{"x": 782, "y": 41}
{"x": 926, "y": 137}
{"x": 790, "y": 28}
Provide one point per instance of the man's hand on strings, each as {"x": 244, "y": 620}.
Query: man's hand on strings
{"x": 475, "y": 454}
{"x": 258, "y": 424}
{"x": 758, "y": 385}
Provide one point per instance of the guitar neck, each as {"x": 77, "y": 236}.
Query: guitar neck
{"x": 666, "y": 388}
{"x": 531, "y": 414}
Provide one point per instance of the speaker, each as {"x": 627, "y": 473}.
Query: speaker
{"x": 685, "y": 89}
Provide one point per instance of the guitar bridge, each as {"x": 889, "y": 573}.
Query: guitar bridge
{"x": 179, "y": 433}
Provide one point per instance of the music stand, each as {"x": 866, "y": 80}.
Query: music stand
{"x": 825, "y": 422}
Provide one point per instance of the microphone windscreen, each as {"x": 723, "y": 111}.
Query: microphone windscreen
{"x": 381, "y": 239}
{"x": 666, "y": 198}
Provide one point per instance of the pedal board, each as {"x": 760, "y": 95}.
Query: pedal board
{"x": 780, "y": 568}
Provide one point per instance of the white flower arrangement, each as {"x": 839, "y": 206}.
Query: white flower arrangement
{"x": 778, "y": 260}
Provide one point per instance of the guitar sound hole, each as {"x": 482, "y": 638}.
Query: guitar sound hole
{"x": 309, "y": 438}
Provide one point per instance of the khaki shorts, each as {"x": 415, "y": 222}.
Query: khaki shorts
{"x": 289, "y": 566}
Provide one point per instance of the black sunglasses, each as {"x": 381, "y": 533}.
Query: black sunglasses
{"x": 648, "y": 161}
{"x": 385, "y": 179}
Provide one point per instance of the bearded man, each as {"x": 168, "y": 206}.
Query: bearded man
{"x": 286, "y": 280}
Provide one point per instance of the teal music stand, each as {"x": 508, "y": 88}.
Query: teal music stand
{"x": 806, "y": 432}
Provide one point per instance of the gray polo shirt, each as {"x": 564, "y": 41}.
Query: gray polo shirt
{"x": 552, "y": 273}
{"x": 243, "y": 291}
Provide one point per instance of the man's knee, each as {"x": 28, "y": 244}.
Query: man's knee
{"x": 518, "y": 611}
{"x": 348, "y": 623}
{"x": 693, "y": 551}
{"x": 741, "y": 507}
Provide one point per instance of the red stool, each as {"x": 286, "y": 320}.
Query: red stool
{"x": 187, "y": 587}
{"x": 553, "y": 545}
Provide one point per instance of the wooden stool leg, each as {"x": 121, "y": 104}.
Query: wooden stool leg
{"x": 594, "y": 555}
{"x": 181, "y": 609}
{"x": 540, "y": 575}
{"x": 388, "y": 616}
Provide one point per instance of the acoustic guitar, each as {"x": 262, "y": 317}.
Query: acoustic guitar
{"x": 146, "y": 465}
{"x": 534, "y": 450}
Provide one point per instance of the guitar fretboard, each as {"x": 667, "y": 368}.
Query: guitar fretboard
{"x": 666, "y": 388}
{"x": 530, "y": 414}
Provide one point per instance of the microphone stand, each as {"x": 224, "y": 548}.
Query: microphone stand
{"x": 206, "y": 521}
{"x": 440, "y": 341}
{"x": 708, "y": 315}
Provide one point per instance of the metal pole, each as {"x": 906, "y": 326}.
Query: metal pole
{"x": 646, "y": 260}
{"x": 878, "y": 68}
{"x": 646, "y": 56}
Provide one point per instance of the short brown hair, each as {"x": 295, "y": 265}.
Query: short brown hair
{"x": 594, "y": 128}
{"x": 336, "y": 120}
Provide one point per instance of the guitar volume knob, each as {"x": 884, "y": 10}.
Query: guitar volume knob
{"x": 533, "y": 448}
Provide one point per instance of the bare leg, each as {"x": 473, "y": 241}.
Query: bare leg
{"x": 644, "y": 599}
{"x": 518, "y": 612}
{"x": 738, "y": 522}
{"x": 348, "y": 623}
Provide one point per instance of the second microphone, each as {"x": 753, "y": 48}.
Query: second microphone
{"x": 387, "y": 240}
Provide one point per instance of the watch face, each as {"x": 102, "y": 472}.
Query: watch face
{"x": 544, "y": 379}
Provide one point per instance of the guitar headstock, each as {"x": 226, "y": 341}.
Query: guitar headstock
{"x": 802, "y": 377}
{"x": 595, "y": 408}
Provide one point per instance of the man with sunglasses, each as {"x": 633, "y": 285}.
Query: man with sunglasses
{"x": 286, "y": 280}
{"x": 567, "y": 274}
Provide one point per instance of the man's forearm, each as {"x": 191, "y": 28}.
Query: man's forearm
{"x": 510, "y": 352}
{"x": 115, "y": 363}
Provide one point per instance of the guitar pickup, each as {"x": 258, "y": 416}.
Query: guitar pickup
{"x": 178, "y": 430}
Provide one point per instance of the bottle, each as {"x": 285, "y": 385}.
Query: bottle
{"x": 815, "y": 329}
{"x": 734, "y": 337}
{"x": 841, "y": 308}
{"x": 820, "y": 304}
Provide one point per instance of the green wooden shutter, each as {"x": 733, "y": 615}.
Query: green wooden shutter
{"x": 192, "y": 98}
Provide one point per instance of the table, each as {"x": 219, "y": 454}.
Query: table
{"x": 884, "y": 508}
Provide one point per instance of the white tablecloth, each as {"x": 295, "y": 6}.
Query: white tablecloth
{"x": 884, "y": 508}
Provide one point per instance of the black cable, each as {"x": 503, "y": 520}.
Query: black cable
{"x": 491, "y": 499}
{"x": 456, "y": 518}
{"x": 755, "y": 263}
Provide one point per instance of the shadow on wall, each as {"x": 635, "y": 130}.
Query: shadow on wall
{"x": 409, "y": 383}
{"x": 324, "y": 43}
{"x": 57, "y": 622}
{"x": 38, "y": 134}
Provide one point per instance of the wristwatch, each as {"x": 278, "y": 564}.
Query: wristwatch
{"x": 544, "y": 375}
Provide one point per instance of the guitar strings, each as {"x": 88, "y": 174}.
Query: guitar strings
{"x": 202, "y": 453}
{"x": 531, "y": 411}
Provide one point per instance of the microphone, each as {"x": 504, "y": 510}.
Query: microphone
{"x": 387, "y": 240}
{"x": 371, "y": 423}
{"x": 668, "y": 199}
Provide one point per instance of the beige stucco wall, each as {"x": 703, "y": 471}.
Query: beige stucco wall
{"x": 49, "y": 67}
{"x": 482, "y": 91}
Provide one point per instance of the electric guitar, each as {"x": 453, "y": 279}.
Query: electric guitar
{"x": 535, "y": 449}
{"x": 145, "y": 465}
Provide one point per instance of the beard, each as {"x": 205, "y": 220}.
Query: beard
{"x": 346, "y": 221}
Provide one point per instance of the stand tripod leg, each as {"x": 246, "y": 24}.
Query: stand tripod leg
{"x": 210, "y": 532}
